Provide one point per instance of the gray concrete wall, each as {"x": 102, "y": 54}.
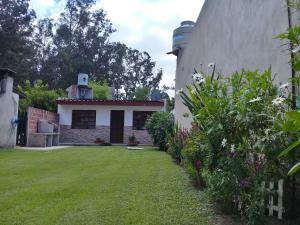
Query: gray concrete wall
{"x": 8, "y": 111}
{"x": 234, "y": 34}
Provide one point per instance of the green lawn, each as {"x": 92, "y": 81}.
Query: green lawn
{"x": 97, "y": 185}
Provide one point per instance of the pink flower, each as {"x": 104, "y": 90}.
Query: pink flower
{"x": 245, "y": 182}
{"x": 198, "y": 165}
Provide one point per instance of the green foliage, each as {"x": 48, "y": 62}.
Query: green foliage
{"x": 142, "y": 93}
{"x": 158, "y": 125}
{"x": 176, "y": 141}
{"x": 39, "y": 96}
{"x": 236, "y": 137}
{"x": 195, "y": 149}
{"x": 291, "y": 124}
{"x": 78, "y": 41}
{"x": 292, "y": 120}
{"x": 16, "y": 29}
{"x": 170, "y": 104}
{"x": 100, "y": 90}
{"x": 222, "y": 186}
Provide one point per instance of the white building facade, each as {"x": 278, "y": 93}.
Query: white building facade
{"x": 113, "y": 121}
{"x": 8, "y": 109}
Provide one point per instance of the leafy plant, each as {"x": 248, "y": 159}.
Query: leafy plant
{"x": 292, "y": 124}
{"x": 132, "y": 140}
{"x": 292, "y": 36}
{"x": 176, "y": 141}
{"x": 39, "y": 96}
{"x": 142, "y": 93}
{"x": 236, "y": 137}
{"x": 100, "y": 90}
{"x": 158, "y": 125}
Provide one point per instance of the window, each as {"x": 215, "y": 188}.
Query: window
{"x": 139, "y": 119}
{"x": 83, "y": 119}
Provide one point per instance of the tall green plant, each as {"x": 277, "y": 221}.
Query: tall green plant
{"x": 176, "y": 141}
{"x": 292, "y": 124}
{"x": 292, "y": 37}
{"x": 158, "y": 125}
{"x": 235, "y": 118}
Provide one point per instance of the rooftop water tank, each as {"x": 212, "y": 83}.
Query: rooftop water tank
{"x": 181, "y": 35}
{"x": 155, "y": 95}
{"x": 83, "y": 79}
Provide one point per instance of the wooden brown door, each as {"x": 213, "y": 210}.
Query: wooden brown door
{"x": 116, "y": 126}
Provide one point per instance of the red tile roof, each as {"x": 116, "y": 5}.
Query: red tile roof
{"x": 108, "y": 102}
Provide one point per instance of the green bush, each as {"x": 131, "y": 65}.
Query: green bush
{"x": 142, "y": 93}
{"x": 237, "y": 137}
{"x": 195, "y": 150}
{"x": 176, "y": 141}
{"x": 158, "y": 125}
{"x": 39, "y": 96}
{"x": 100, "y": 90}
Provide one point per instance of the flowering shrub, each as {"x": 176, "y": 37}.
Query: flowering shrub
{"x": 236, "y": 137}
{"x": 176, "y": 141}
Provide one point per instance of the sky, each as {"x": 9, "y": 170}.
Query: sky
{"x": 146, "y": 25}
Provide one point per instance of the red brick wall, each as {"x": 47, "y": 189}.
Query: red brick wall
{"x": 142, "y": 136}
{"x": 83, "y": 136}
{"x": 88, "y": 136}
{"x": 34, "y": 115}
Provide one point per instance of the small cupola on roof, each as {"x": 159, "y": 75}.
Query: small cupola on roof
{"x": 181, "y": 36}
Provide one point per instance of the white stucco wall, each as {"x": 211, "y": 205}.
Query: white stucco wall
{"x": 234, "y": 34}
{"x": 9, "y": 102}
{"x": 102, "y": 113}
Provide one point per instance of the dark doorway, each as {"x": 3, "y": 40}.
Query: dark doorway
{"x": 22, "y": 127}
{"x": 116, "y": 126}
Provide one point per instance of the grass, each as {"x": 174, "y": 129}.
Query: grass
{"x": 97, "y": 185}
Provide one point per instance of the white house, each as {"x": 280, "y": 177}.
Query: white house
{"x": 83, "y": 119}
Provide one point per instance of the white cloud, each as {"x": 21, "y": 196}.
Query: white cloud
{"x": 146, "y": 25}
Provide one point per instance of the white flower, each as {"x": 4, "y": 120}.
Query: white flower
{"x": 267, "y": 131}
{"x": 198, "y": 77}
{"x": 178, "y": 92}
{"x": 232, "y": 148}
{"x": 211, "y": 65}
{"x": 277, "y": 101}
{"x": 255, "y": 99}
{"x": 296, "y": 49}
{"x": 224, "y": 141}
{"x": 284, "y": 86}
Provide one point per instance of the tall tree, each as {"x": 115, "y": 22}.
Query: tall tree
{"x": 79, "y": 42}
{"x": 16, "y": 49}
{"x": 80, "y": 39}
{"x": 139, "y": 72}
{"x": 45, "y": 57}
